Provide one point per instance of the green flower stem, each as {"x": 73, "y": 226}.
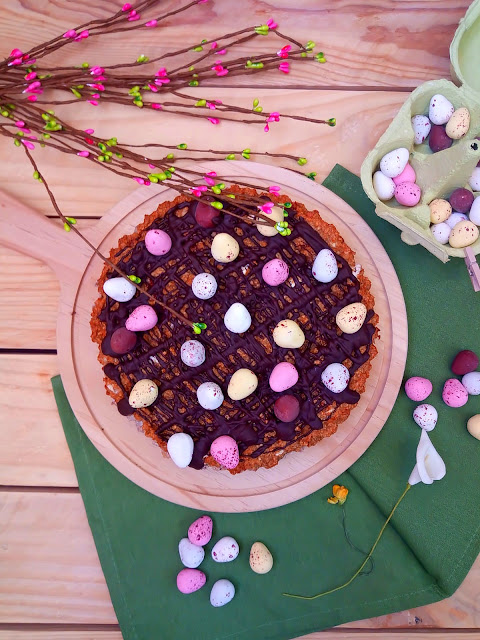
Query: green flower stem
{"x": 346, "y": 584}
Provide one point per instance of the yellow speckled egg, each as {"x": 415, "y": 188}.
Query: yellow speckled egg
{"x": 473, "y": 426}
{"x": 459, "y": 124}
{"x": 261, "y": 560}
{"x": 287, "y": 334}
{"x": 464, "y": 233}
{"x": 242, "y": 384}
{"x": 267, "y": 230}
{"x": 351, "y": 318}
{"x": 225, "y": 248}
{"x": 440, "y": 210}
{"x": 143, "y": 394}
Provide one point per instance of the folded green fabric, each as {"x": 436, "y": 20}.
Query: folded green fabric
{"x": 425, "y": 553}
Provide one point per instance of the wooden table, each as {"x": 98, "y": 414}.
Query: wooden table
{"x": 51, "y": 583}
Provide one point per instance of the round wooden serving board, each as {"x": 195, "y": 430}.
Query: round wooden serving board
{"x": 119, "y": 439}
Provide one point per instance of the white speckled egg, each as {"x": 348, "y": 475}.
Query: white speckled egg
{"x": 192, "y": 353}
{"x": 474, "y": 214}
{"x": 180, "y": 450}
{"x": 336, "y": 377}
{"x": 209, "y": 395}
{"x": 350, "y": 319}
{"x": 325, "y": 267}
{"x": 143, "y": 394}
{"x": 277, "y": 216}
{"x": 474, "y": 181}
{"x": 225, "y": 550}
{"x": 225, "y": 248}
{"x": 440, "y": 110}
{"x": 425, "y": 416}
{"x": 421, "y": 128}
{"x": 237, "y": 319}
{"x": 222, "y": 593}
{"x": 471, "y": 382}
{"x": 243, "y": 383}
{"x": 119, "y": 289}
{"x": 455, "y": 218}
{"x": 288, "y": 334}
{"x": 204, "y": 286}
{"x": 441, "y": 232}
{"x": 392, "y": 164}
{"x": 191, "y": 555}
{"x": 383, "y": 185}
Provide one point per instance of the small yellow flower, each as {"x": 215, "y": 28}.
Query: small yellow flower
{"x": 340, "y": 494}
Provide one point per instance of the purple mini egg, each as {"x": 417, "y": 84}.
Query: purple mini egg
{"x": 275, "y": 272}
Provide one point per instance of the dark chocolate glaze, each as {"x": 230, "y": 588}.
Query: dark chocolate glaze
{"x": 301, "y": 298}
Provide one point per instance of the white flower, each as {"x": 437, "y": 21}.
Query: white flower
{"x": 430, "y": 465}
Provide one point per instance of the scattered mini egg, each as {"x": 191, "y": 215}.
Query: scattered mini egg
{"x": 222, "y": 593}
{"x": 283, "y": 376}
{"x": 200, "y": 531}
{"x": 287, "y": 334}
{"x": 142, "y": 318}
{"x": 204, "y": 286}
{"x": 464, "y": 233}
{"x": 440, "y": 109}
{"x": 192, "y": 353}
{"x": 392, "y": 164}
{"x": 225, "y": 248}
{"x": 425, "y": 416}
{"x": 191, "y": 555}
{"x": 225, "y": 550}
{"x": 438, "y": 139}
{"x": 266, "y": 229}
{"x": 459, "y": 124}
{"x": 441, "y": 232}
{"x": 439, "y": 210}
{"x": 473, "y": 426}
{"x": 122, "y": 341}
{"x": 350, "y": 319}
{"x": 407, "y": 175}
{"x": 325, "y": 268}
{"x": 180, "y": 450}
{"x": 237, "y": 319}
{"x": 471, "y": 382}
{"x": 224, "y": 450}
{"x": 207, "y": 216}
{"x": 421, "y": 128}
{"x": 242, "y": 383}
{"x": 454, "y": 393}
{"x": 286, "y": 408}
{"x": 383, "y": 185}
{"x": 474, "y": 181}
{"x": 455, "y": 218}
{"x": 464, "y": 362}
{"x": 474, "y": 214}
{"x": 336, "y": 377}
{"x": 418, "y": 389}
{"x": 190, "y": 580}
{"x": 143, "y": 394}
{"x": 209, "y": 395}
{"x": 408, "y": 194}
{"x": 275, "y": 272}
{"x": 261, "y": 560}
{"x": 461, "y": 200}
{"x": 119, "y": 289}
{"x": 158, "y": 242}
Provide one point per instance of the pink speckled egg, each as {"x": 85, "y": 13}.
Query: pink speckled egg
{"x": 142, "y": 318}
{"x": 157, "y": 242}
{"x": 408, "y": 194}
{"x": 190, "y": 580}
{"x": 275, "y": 272}
{"x": 407, "y": 175}
{"x": 418, "y": 389}
{"x": 200, "y": 531}
{"x": 225, "y": 451}
{"x": 454, "y": 393}
{"x": 283, "y": 376}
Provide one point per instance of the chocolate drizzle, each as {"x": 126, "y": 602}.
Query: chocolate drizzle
{"x": 251, "y": 422}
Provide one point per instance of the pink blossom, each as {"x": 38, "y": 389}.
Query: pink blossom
{"x": 214, "y": 45}
{"x": 161, "y": 81}
{"x": 151, "y": 23}
{"x": 15, "y": 62}
{"x": 266, "y": 128}
{"x": 28, "y": 144}
{"x": 32, "y": 98}
{"x": 220, "y": 70}
{"x": 284, "y": 67}
{"x": 283, "y": 53}
{"x": 133, "y": 15}
{"x": 97, "y": 71}
{"x": 153, "y": 88}
{"x": 274, "y": 189}
{"x": 155, "y": 105}
{"x": 83, "y": 154}
{"x": 161, "y": 73}
{"x": 20, "y": 124}
{"x": 126, "y": 7}
{"x": 201, "y": 1}
{"x": 271, "y": 24}
{"x": 221, "y": 52}
{"x": 95, "y": 96}
{"x": 15, "y": 53}
{"x": 210, "y": 105}
{"x": 32, "y": 87}
{"x": 266, "y": 208}
{"x": 273, "y": 117}
{"x": 93, "y": 102}
{"x": 214, "y": 120}
{"x": 30, "y": 76}
{"x": 209, "y": 178}
{"x": 197, "y": 191}
{"x": 71, "y": 33}
{"x": 82, "y": 35}
{"x": 151, "y": 166}
{"x": 98, "y": 86}
{"x": 139, "y": 180}
{"x": 90, "y": 131}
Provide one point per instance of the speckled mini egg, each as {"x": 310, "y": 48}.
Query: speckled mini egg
{"x": 474, "y": 214}
{"x": 225, "y": 550}
{"x": 192, "y": 353}
{"x": 261, "y": 560}
{"x": 288, "y": 335}
{"x": 275, "y": 272}
{"x": 408, "y": 194}
{"x": 243, "y": 383}
{"x": 190, "y": 580}
{"x": 350, "y": 319}
{"x": 209, "y": 395}
{"x": 383, "y": 185}
{"x": 119, "y": 289}
{"x": 440, "y": 109}
{"x": 455, "y": 218}
{"x": 325, "y": 268}
{"x": 441, "y": 232}
{"x": 474, "y": 180}
{"x": 471, "y": 382}
{"x": 143, "y": 394}
{"x": 224, "y": 450}
{"x": 425, "y": 416}
{"x": 454, "y": 393}
{"x": 200, "y": 531}
{"x": 222, "y": 593}
{"x": 440, "y": 210}
{"x": 336, "y": 377}
{"x": 392, "y": 164}
{"x": 191, "y": 555}
{"x": 142, "y": 318}
{"x": 421, "y": 128}
{"x": 473, "y": 426}
{"x": 418, "y": 389}
{"x": 459, "y": 124}
{"x": 225, "y": 248}
{"x": 268, "y": 230}
{"x": 158, "y": 242}
{"x": 237, "y": 319}
{"x": 407, "y": 175}
{"x": 204, "y": 286}
{"x": 464, "y": 233}
{"x": 180, "y": 449}
{"x": 283, "y": 376}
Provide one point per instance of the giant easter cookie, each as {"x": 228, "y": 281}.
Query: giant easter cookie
{"x": 311, "y": 304}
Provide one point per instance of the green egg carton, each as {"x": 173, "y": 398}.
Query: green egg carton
{"x": 438, "y": 174}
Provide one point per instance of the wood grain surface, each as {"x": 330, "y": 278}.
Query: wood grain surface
{"x": 376, "y": 52}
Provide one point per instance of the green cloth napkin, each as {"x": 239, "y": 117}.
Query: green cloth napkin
{"x": 424, "y": 555}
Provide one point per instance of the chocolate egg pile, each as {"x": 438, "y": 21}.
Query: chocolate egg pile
{"x": 455, "y": 221}
{"x": 396, "y": 178}
{"x": 442, "y": 126}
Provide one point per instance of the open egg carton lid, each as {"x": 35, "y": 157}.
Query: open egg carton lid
{"x": 438, "y": 174}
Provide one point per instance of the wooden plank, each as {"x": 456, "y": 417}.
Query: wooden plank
{"x": 367, "y": 44}
{"x": 50, "y": 572}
